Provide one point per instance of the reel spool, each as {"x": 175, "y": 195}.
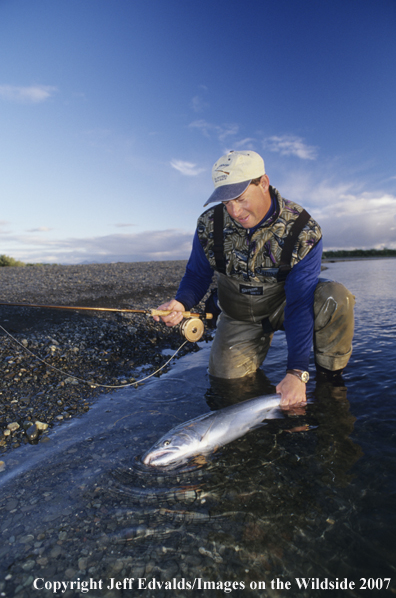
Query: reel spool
{"x": 192, "y": 329}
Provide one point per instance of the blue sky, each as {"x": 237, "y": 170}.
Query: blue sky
{"x": 112, "y": 113}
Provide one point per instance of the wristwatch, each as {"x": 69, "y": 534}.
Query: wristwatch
{"x": 303, "y": 376}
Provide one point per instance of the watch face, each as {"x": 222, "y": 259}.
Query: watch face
{"x": 304, "y": 376}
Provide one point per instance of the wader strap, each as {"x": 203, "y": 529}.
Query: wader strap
{"x": 289, "y": 244}
{"x": 287, "y": 250}
{"x": 218, "y": 239}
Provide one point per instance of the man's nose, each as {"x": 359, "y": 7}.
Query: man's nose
{"x": 235, "y": 209}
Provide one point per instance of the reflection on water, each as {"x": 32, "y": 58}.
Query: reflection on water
{"x": 304, "y": 498}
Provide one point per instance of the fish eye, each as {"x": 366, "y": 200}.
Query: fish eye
{"x": 166, "y": 442}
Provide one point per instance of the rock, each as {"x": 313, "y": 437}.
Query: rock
{"x": 28, "y": 565}
{"x": 42, "y": 561}
{"x": 41, "y": 426}
{"x": 97, "y": 347}
{"x": 56, "y": 551}
{"x": 82, "y": 563}
{"x": 13, "y": 426}
{"x": 32, "y": 433}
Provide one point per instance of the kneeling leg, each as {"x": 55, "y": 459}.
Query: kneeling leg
{"x": 334, "y": 324}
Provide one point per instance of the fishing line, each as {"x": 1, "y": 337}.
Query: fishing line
{"x": 91, "y": 384}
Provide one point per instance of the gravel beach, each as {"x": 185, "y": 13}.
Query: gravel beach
{"x": 97, "y": 347}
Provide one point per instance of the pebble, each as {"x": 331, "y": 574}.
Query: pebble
{"x": 90, "y": 348}
{"x": 82, "y": 563}
{"x": 41, "y": 426}
{"x": 32, "y": 432}
{"x": 13, "y": 426}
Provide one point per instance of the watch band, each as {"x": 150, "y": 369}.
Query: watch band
{"x": 303, "y": 376}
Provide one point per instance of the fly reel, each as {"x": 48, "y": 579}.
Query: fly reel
{"x": 192, "y": 329}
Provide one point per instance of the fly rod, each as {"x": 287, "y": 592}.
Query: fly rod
{"x": 150, "y": 312}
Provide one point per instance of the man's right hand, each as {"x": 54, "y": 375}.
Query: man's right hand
{"x": 176, "y": 315}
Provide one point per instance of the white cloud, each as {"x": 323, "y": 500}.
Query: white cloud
{"x": 198, "y": 104}
{"x": 219, "y": 131}
{"x": 358, "y": 231}
{"x": 3, "y": 231}
{"x": 170, "y": 244}
{"x": 353, "y": 220}
{"x": 124, "y": 225}
{"x": 226, "y": 131}
{"x": 27, "y": 95}
{"x": 203, "y": 126}
{"x": 286, "y": 145}
{"x": 40, "y": 229}
{"x": 186, "y": 168}
{"x": 290, "y": 145}
{"x": 249, "y": 143}
{"x": 350, "y": 216}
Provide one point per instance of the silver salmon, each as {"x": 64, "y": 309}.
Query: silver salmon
{"x": 207, "y": 432}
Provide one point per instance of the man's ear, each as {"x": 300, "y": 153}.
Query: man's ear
{"x": 265, "y": 183}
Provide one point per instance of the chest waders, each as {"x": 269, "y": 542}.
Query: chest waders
{"x": 263, "y": 302}
{"x": 252, "y": 312}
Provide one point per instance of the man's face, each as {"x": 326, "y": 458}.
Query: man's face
{"x": 250, "y": 208}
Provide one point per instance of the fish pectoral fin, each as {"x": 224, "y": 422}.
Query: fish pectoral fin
{"x": 274, "y": 413}
{"x": 207, "y": 431}
{"x": 216, "y": 448}
{"x": 257, "y": 426}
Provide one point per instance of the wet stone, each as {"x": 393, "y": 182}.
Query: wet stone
{"x": 27, "y": 539}
{"x": 82, "y": 563}
{"x": 32, "y": 433}
{"x": 28, "y": 566}
{"x": 13, "y": 426}
{"x": 169, "y": 569}
{"x": 98, "y": 348}
{"x": 11, "y": 505}
{"x": 41, "y": 426}
{"x": 56, "y": 551}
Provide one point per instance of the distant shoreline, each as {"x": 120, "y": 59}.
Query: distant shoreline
{"x": 357, "y": 253}
{"x": 331, "y": 260}
{"x": 327, "y": 256}
{"x": 178, "y": 263}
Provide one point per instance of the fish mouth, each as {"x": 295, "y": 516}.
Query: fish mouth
{"x": 157, "y": 457}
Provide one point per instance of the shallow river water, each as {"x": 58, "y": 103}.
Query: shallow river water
{"x": 299, "y": 507}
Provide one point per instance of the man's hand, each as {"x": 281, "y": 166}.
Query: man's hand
{"x": 293, "y": 394}
{"x": 176, "y": 315}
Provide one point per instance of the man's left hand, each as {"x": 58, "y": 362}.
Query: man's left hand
{"x": 293, "y": 394}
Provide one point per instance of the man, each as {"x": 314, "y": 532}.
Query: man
{"x": 266, "y": 253}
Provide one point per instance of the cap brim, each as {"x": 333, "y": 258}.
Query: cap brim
{"x": 227, "y": 192}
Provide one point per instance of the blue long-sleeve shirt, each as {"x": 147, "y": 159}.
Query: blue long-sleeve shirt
{"x": 299, "y": 289}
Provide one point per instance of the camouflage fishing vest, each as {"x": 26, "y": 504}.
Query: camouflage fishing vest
{"x": 252, "y": 275}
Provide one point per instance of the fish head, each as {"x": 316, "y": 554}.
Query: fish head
{"x": 172, "y": 447}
